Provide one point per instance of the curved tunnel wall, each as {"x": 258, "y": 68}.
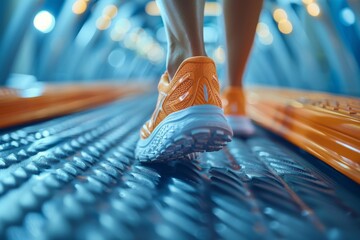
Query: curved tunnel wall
{"x": 310, "y": 45}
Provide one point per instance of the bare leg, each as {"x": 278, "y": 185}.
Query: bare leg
{"x": 183, "y": 20}
{"x": 241, "y": 17}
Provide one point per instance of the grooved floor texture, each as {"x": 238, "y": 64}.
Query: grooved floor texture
{"x": 325, "y": 125}
{"x": 75, "y": 177}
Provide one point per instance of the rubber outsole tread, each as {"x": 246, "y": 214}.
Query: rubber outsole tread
{"x": 187, "y": 146}
{"x": 183, "y": 134}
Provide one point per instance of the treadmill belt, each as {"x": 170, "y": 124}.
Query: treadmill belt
{"x": 75, "y": 177}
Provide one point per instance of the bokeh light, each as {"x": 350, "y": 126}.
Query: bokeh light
{"x": 347, "y": 17}
{"x": 308, "y": 1}
{"x": 313, "y": 9}
{"x": 44, "y": 21}
{"x": 211, "y": 9}
{"x": 152, "y": 9}
{"x": 264, "y": 34}
{"x": 279, "y": 14}
{"x": 103, "y": 23}
{"x": 285, "y": 26}
{"x": 79, "y": 7}
{"x": 110, "y": 11}
{"x": 219, "y": 55}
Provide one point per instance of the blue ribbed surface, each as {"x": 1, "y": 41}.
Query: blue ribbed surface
{"x": 75, "y": 177}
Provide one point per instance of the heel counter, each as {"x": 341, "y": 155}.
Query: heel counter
{"x": 195, "y": 83}
{"x": 207, "y": 86}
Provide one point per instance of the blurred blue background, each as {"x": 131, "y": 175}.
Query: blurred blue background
{"x": 304, "y": 44}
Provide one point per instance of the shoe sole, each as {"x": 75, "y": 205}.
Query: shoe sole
{"x": 241, "y": 126}
{"x": 183, "y": 134}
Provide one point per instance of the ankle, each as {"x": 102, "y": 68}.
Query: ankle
{"x": 177, "y": 55}
{"x": 235, "y": 81}
{"x": 235, "y": 87}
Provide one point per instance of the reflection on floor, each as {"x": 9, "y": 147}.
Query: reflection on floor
{"x": 325, "y": 125}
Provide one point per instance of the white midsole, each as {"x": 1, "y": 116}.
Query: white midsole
{"x": 241, "y": 124}
{"x": 191, "y": 118}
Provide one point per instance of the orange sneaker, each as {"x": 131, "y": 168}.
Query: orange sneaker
{"x": 188, "y": 117}
{"x": 233, "y": 100}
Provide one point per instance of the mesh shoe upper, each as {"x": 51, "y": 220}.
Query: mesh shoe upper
{"x": 194, "y": 83}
